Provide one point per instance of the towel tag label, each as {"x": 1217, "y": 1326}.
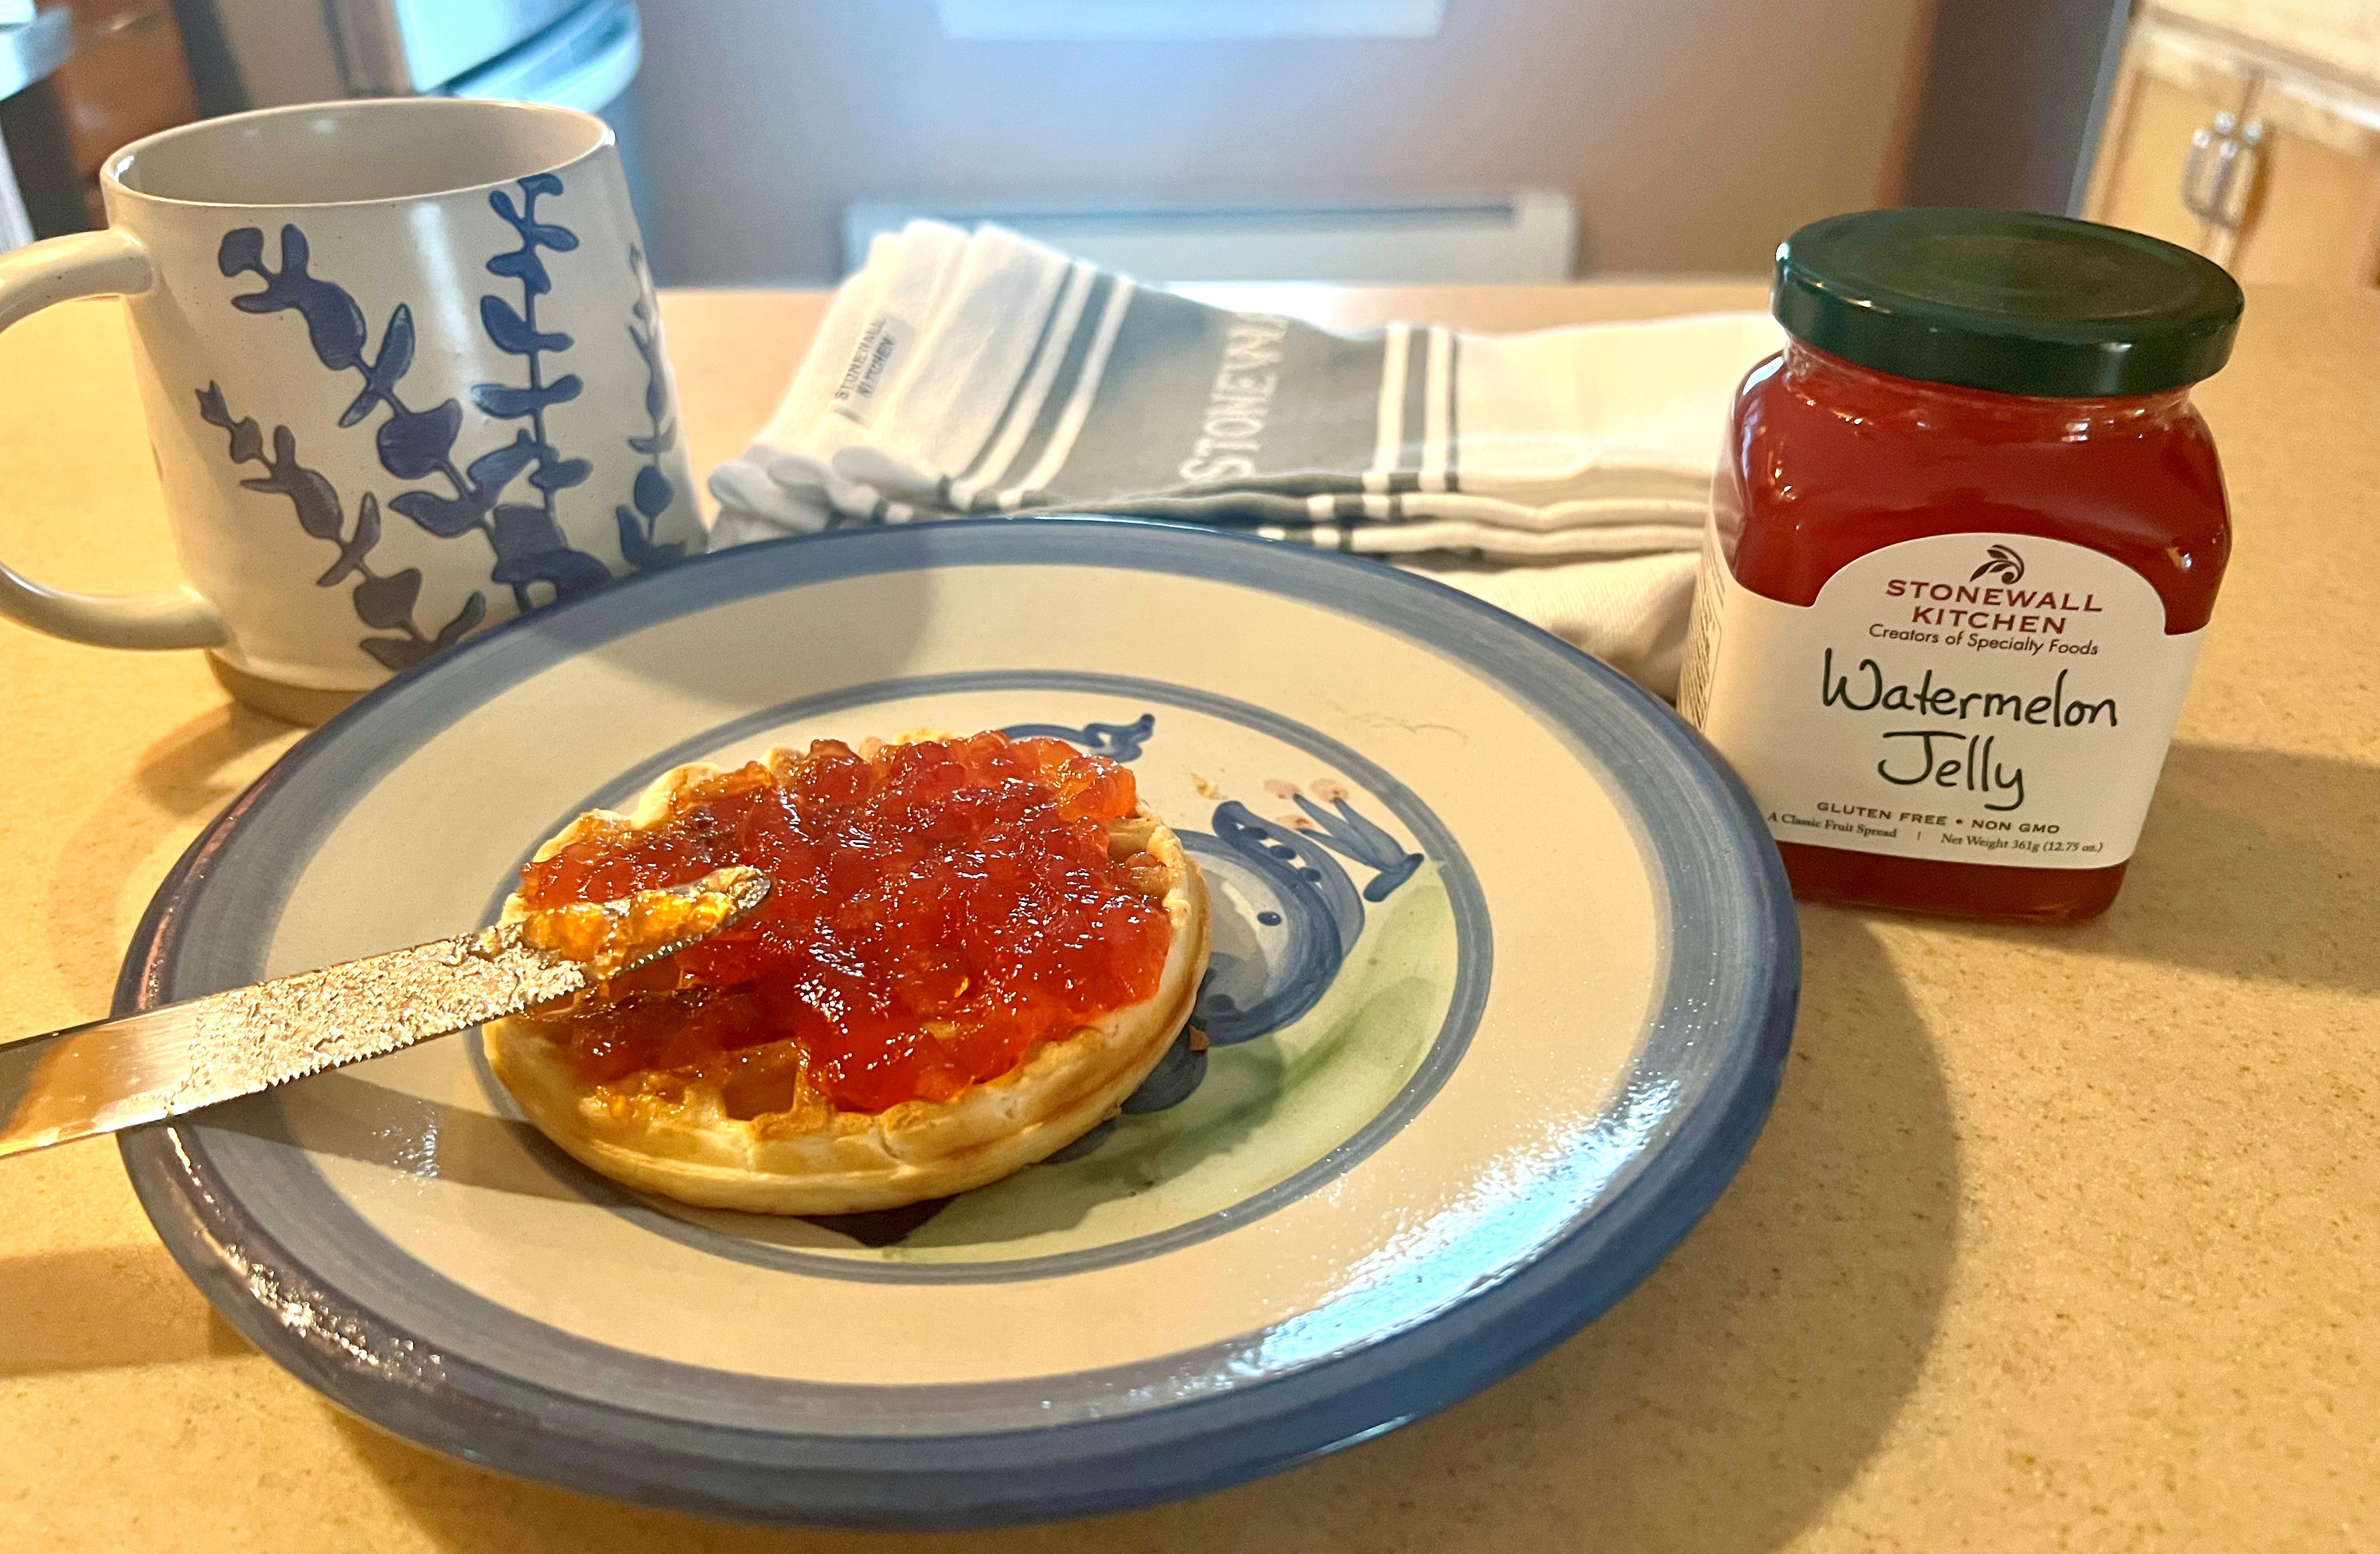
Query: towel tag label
{"x": 1996, "y": 698}
{"x": 870, "y": 373}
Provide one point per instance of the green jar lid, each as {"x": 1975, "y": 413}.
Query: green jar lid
{"x": 2007, "y": 300}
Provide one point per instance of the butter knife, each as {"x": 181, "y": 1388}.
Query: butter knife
{"x": 163, "y": 1062}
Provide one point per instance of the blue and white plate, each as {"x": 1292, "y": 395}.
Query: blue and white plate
{"x": 1504, "y": 975}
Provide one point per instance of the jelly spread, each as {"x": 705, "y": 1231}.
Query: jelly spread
{"x": 609, "y": 937}
{"x": 938, "y": 909}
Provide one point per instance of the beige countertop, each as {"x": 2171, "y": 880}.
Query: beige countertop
{"x": 2058, "y": 1239}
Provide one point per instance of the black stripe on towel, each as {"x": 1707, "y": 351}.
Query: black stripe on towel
{"x": 1416, "y": 408}
{"x": 1061, "y": 391}
{"x": 1454, "y": 399}
{"x": 1041, "y": 346}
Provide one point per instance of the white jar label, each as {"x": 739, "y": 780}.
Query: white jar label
{"x": 1994, "y": 698}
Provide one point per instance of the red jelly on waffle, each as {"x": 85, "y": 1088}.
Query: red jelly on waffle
{"x": 940, "y": 908}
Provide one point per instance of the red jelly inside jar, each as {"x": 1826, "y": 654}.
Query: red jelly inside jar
{"x": 939, "y": 909}
{"x": 1958, "y": 388}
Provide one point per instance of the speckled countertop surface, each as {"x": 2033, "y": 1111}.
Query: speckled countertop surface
{"x": 2058, "y": 1239}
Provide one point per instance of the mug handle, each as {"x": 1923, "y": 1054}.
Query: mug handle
{"x": 104, "y": 263}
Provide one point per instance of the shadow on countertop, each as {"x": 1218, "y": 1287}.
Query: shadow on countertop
{"x": 152, "y": 1314}
{"x": 185, "y": 778}
{"x": 2254, "y": 863}
{"x": 1717, "y": 1409}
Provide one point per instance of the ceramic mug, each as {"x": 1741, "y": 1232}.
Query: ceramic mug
{"x": 404, "y": 378}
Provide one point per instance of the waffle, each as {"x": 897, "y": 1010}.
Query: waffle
{"x": 681, "y": 1142}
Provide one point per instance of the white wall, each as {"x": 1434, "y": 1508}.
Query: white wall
{"x": 1692, "y": 134}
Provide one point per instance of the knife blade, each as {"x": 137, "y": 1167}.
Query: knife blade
{"x": 164, "y": 1063}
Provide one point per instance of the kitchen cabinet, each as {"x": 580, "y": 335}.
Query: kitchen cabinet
{"x": 2172, "y": 93}
{"x": 2263, "y": 159}
{"x": 2310, "y": 204}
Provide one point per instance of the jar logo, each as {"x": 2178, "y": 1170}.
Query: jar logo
{"x": 2001, "y": 562}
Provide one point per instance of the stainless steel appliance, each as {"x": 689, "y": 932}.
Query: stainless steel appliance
{"x": 581, "y": 54}
{"x": 31, "y": 47}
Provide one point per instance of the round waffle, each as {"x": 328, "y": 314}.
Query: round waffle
{"x": 680, "y": 1141}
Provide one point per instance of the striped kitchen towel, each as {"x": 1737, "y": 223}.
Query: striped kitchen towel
{"x": 1564, "y": 475}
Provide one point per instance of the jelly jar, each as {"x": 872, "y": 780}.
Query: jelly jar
{"x": 1966, "y": 536}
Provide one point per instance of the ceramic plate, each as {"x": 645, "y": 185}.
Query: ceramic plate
{"x": 1504, "y": 974}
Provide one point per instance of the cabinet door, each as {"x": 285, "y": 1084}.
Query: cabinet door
{"x": 2172, "y": 87}
{"x": 2310, "y": 208}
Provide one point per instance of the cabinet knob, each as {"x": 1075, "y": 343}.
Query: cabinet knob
{"x": 2235, "y": 176}
{"x": 2212, "y": 150}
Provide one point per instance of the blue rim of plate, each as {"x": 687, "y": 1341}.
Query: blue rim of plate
{"x": 1721, "y": 1036}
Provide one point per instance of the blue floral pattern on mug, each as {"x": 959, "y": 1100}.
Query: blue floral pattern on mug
{"x": 417, "y": 444}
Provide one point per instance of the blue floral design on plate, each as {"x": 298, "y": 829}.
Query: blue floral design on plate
{"x": 1333, "y": 999}
{"x": 1118, "y": 742}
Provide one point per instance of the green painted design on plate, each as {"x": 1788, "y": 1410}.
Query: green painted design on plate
{"x": 1268, "y": 1109}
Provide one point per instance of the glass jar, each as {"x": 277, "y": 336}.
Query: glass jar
{"x": 1966, "y": 539}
